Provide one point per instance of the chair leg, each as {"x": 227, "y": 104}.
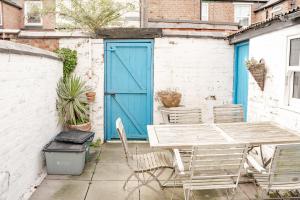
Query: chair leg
{"x": 143, "y": 183}
{"x": 187, "y": 194}
{"x": 169, "y": 178}
{"x": 155, "y": 177}
{"x": 234, "y": 191}
{"x": 127, "y": 180}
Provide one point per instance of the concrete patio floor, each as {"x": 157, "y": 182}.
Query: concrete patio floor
{"x": 104, "y": 175}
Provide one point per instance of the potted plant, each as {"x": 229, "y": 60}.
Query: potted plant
{"x": 72, "y": 105}
{"x": 258, "y": 71}
{"x": 169, "y": 98}
{"x": 91, "y": 96}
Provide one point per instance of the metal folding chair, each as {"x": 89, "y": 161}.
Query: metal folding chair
{"x": 228, "y": 113}
{"x": 213, "y": 167}
{"x": 145, "y": 167}
{"x": 182, "y": 115}
{"x": 284, "y": 171}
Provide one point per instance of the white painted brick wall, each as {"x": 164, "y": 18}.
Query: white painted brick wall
{"x": 271, "y": 104}
{"x": 199, "y": 68}
{"x": 28, "y": 117}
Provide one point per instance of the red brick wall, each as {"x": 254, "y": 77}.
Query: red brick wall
{"x": 174, "y": 9}
{"x": 221, "y": 12}
{"x": 47, "y": 44}
{"x": 262, "y": 16}
{"x": 11, "y": 16}
{"x": 190, "y": 10}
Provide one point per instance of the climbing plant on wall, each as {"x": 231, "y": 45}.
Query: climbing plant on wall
{"x": 69, "y": 58}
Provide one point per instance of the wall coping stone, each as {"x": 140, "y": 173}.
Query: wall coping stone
{"x": 22, "y": 49}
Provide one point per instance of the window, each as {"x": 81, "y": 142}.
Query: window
{"x": 294, "y": 70}
{"x": 242, "y": 14}
{"x": 32, "y": 13}
{"x": 204, "y": 11}
{"x": 276, "y": 10}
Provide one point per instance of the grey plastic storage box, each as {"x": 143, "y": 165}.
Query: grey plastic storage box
{"x": 77, "y": 137}
{"x": 65, "y": 158}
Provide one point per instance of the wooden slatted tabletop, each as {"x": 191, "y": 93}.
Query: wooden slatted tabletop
{"x": 188, "y": 135}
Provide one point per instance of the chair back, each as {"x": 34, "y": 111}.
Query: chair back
{"x": 228, "y": 113}
{"x": 285, "y": 167}
{"x": 123, "y": 138}
{"x": 182, "y": 115}
{"x": 219, "y": 162}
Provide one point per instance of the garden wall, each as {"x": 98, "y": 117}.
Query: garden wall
{"x": 28, "y": 78}
{"x": 272, "y": 103}
{"x": 201, "y": 68}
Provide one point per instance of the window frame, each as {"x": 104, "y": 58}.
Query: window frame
{"x": 250, "y": 11}
{"x": 290, "y": 70}
{"x": 26, "y": 23}
{"x": 207, "y": 11}
{"x": 276, "y": 10}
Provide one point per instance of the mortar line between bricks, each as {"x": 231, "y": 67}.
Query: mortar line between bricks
{"x": 91, "y": 179}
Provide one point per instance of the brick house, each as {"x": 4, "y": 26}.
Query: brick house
{"x": 20, "y": 15}
{"x": 217, "y": 11}
{"x": 275, "y": 7}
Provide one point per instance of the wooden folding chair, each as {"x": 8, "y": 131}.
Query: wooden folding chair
{"x": 182, "y": 115}
{"x": 228, "y": 113}
{"x": 213, "y": 167}
{"x": 152, "y": 164}
{"x": 284, "y": 171}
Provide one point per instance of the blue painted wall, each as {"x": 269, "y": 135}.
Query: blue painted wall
{"x": 128, "y": 87}
{"x": 240, "y": 84}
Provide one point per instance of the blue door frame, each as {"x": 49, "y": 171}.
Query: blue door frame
{"x": 128, "y": 87}
{"x": 240, "y": 81}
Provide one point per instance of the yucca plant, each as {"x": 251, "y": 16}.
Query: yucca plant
{"x": 72, "y": 105}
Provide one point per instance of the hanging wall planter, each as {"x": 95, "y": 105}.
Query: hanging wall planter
{"x": 258, "y": 71}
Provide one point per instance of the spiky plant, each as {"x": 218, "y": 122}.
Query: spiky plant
{"x": 89, "y": 15}
{"x": 72, "y": 105}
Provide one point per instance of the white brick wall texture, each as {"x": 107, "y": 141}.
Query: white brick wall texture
{"x": 28, "y": 117}
{"x": 271, "y": 104}
{"x": 199, "y": 68}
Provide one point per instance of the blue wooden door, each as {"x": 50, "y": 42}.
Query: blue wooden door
{"x": 128, "y": 87}
{"x": 241, "y": 75}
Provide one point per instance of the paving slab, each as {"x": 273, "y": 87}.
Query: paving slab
{"x": 111, "y": 172}
{"x": 110, "y": 190}
{"x": 104, "y": 177}
{"x": 61, "y": 190}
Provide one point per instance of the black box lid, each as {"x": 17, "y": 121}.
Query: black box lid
{"x": 63, "y": 147}
{"x": 78, "y": 137}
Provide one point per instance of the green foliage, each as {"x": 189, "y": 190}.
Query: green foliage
{"x": 69, "y": 58}
{"x": 90, "y": 15}
{"x": 97, "y": 143}
{"x": 72, "y": 103}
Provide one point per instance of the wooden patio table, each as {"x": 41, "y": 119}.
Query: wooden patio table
{"x": 188, "y": 135}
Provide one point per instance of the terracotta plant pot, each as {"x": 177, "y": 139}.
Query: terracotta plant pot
{"x": 80, "y": 127}
{"x": 91, "y": 96}
{"x": 170, "y": 99}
